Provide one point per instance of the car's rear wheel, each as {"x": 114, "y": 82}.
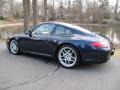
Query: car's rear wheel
{"x": 68, "y": 56}
{"x": 13, "y": 47}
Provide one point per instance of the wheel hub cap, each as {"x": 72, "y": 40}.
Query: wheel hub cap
{"x": 13, "y": 46}
{"x": 67, "y": 56}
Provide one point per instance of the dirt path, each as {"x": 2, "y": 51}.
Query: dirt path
{"x": 11, "y": 24}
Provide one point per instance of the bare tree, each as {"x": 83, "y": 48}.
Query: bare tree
{"x": 61, "y": 9}
{"x": 104, "y": 4}
{"x": 26, "y": 9}
{"x": 35, "y": 12}
{"x": 80, "y": 5}
{"x": 53, "y": 12}
{"x": 88, "y": 11}
{"x": 69, "y": 8}
{"x": 116, "y": 10}
{"x": 3, "y": 8}
{"x": 12, "y": 3}
{"x": 45, "y": 11}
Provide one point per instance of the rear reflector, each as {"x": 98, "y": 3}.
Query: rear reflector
{"x": 99, "y": 45}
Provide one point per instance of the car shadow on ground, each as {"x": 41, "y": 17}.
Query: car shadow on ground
{"x": 43, "y": 59}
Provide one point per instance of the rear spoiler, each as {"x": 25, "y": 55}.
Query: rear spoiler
{"x": 113, "y": 47}
{"x": 103, "y": 36}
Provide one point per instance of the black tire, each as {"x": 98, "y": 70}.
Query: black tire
{"x": 78, "y": 58}
{"x": 10, "y": 47}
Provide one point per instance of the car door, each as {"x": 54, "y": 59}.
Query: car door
{"x": 38, "y": 42}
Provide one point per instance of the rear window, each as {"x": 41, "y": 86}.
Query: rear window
{"x": 79, "y": 29}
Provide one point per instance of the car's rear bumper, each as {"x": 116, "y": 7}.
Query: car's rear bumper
{"x": 96, "y": 56}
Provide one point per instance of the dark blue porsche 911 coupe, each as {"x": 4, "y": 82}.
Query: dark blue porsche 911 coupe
{"x": 67, "y": 43}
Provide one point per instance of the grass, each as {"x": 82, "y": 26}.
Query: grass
{"x": 117, "y": 53}
{"x": 3, "y": 22}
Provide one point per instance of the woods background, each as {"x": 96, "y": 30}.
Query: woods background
{"x": 74, "y": 11}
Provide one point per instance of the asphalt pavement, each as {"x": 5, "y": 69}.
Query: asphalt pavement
{"x": 32, "y": 72}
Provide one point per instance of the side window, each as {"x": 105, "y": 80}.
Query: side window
{"x": 59, "y": 30}
{"x": 62, "y": 31}
{"x": 43, "y": 29}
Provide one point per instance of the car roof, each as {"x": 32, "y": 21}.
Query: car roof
{"x": 63, "y": 24}
{"x": 72, "y": 26}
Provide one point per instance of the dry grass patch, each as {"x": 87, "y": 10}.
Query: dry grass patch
{"x": 117, "y": 53}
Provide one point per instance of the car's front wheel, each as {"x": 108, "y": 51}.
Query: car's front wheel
{"x": 13, "y": 47}
{"x": 68, "y": 56}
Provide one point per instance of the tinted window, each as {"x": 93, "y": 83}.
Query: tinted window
{"x": 62, "y": 31}
{"x": 43, "y": 29}
{"x": 80, "y": 29}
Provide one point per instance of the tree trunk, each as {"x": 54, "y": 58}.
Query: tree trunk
{"x": 26, "y": 9}
{"x": 80, "y": 10}
{"x": 45, "y": 11}
{"x": 61, "y": 10}
{"x": 35, "y": 12}
{"x": 54, "y": 15}
{"x": 116, "y": 9}
{"x": 94, "y": 12}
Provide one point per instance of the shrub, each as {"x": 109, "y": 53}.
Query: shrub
{"x": 2, "y": 18}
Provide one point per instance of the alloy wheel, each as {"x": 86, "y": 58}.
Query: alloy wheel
{"x": 67, "y": 57}
{"x": 14, "y": 47}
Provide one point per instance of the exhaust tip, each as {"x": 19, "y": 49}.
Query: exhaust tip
{"x": 112, "y": 52}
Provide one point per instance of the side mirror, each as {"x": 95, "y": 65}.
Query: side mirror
{"x": 28, "y": 33}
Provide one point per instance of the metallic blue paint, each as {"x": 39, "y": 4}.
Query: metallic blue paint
{"x": 49, "y": 44}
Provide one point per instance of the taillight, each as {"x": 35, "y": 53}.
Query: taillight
{"x": 99, "y": 45}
